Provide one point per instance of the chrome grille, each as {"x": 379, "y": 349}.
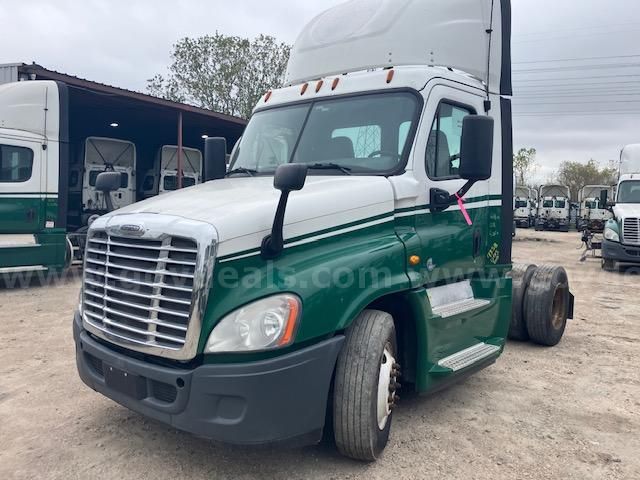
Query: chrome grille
{"x": 631, "y": 231}
{"x": 140, "y": 291}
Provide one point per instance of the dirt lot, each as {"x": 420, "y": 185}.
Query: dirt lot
{"x": 572, "y": 412}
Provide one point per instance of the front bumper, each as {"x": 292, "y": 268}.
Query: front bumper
{"x": 619, "y": 252}
{"x": 271, "y": 401}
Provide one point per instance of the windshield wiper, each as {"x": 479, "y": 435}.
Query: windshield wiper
{"x": 246, "y": 171}
{"x": 330, "y": 166}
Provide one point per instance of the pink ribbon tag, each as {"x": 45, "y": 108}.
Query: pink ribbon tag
{"x": 464, "y": 210}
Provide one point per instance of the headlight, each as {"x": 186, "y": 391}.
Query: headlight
{"x": 611, "y": 235}
{"x": 262, "y": 325}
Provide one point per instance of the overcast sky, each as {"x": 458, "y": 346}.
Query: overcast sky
{"x": 124, "y": 43}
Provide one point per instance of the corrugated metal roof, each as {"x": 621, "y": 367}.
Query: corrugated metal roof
{"x": 42, "y": 73}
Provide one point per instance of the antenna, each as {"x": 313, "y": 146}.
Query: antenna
{"x": 487, "y": 103}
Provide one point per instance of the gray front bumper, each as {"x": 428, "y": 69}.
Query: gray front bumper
{"x": 620, "y": 253}
{"x": 277, "y": 400}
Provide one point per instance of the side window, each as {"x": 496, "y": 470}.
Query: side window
{"x": 366, "y": 139}
{"x": 445, "y": 139}
{"x": 16, "y": 164}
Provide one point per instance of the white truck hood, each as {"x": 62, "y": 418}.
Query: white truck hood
{"x": 626, "y": 210}
{"x": 242, "y": 209}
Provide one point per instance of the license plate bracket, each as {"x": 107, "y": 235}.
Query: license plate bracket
{"x": 127, "y": 383}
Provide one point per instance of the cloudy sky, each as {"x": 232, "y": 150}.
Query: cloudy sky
{"x": 579, "y": 56}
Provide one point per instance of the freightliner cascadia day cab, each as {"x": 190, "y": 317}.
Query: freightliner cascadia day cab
{"x": 361, "y": 238}
{"x": 621, "y": 243}
{"x": 592, "y": 213}
{"x": 55, "y": 140}
{"x": 554, "y": 208}
{"x": 524, "y": 207}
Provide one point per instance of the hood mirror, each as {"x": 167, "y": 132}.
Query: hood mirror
{"x": 289, "y": 177}
{"x": 108, "y": 182}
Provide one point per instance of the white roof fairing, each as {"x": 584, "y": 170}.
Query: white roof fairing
{"x": 630, "y": 159}
{"x": 366, "y": 34}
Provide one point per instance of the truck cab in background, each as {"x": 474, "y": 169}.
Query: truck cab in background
{"x": 525, "y": 209}
{"x": 592, "y": 214}
{"x": 554, "y": 208}
{"x": 621, "y": 242}
{"x": 163, "y": 177}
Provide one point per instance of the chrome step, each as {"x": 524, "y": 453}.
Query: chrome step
{"x": 462, "y": 306}
{"x": 25, "y": 269}
{"x": 468, "y": 357}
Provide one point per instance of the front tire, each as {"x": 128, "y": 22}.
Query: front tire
{"x": 546, "y": 306}
{"x": 365, "y": 387}
{"x": 608, "y": 265}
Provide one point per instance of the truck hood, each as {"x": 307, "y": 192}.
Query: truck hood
{"x": 626, "y": 210}
{"x": 242, "y": 209}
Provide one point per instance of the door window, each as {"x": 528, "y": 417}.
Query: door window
{"x": 16, "y": 164}
{"x": 445, "y": 139}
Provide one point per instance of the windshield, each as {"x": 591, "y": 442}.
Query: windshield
{"x": 368, "y": 134}
{"x": 521, "y": 203}
{"x": 547, "y": 204}
{"x": 629, "y": 192}
{"x": 561, "y": 203}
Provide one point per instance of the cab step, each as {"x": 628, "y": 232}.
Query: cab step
{"x": 469, "y": 356}
{"x": 455, "y": 299}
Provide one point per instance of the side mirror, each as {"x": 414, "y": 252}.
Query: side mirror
{"x": 108, "y": 182}
{"x": 476, "y": 151}
{"x": 288, "y": 178}
{"x": 215, "y": 158}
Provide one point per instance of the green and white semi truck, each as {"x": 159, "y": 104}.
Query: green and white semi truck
{"x": 621, "y": 242}
{"x": 360, "y": 239}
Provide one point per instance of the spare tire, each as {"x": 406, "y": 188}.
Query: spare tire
{"x": 547, "y": 305}
{"x": 521, "y": 276}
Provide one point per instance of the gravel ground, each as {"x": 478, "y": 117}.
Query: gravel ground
{"x": 571, "y": 412}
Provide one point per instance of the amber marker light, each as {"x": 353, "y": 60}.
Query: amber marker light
{"x": 294, "y": 310}
{"x": 390, "y": 75}
{"x": 414, "y": 260}
{"x": 268, "y": 96}
{"x": 335, "y": 83}
{"x": 319, "y": 85}
{"x": 304, "y": 89}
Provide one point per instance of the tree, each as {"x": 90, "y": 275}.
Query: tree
{"x": 576, "y": 175}
{"x": 524, "y": 165}
{"x": 223, "y": 73}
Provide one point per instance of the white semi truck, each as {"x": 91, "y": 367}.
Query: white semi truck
{"x": 592, "y": 214}
{"x": 163, "y": 177}
{"x": 554, "y": 208}
{"x": 525, "y": 209}
{"x": 360, "y": 239}
{"x": 621, "y": 243}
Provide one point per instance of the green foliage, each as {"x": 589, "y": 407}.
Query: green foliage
{"x": 524, "y": 165}
{"x": 222, "y": 73}
{"x": 576, "y": 175}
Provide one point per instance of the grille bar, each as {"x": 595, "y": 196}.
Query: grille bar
{"x": 140, "y": 291}
{"x": 631, "y": 231}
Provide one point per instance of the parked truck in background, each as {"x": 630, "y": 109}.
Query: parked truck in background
{"x": 592, "y": 214}
{"x": 525, "y": 199}
{"x": 55, "y": 139}
{"x": 621, "y": 242}
{"x": 360, "y": 239}
{"x": 554, "y": 208}
{"x": 163, "y": 177}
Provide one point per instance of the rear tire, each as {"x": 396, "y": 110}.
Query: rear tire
{"x": 521, "y": 277}
{"x": 546, "y": 305}
{"x": 360, "y": 423}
